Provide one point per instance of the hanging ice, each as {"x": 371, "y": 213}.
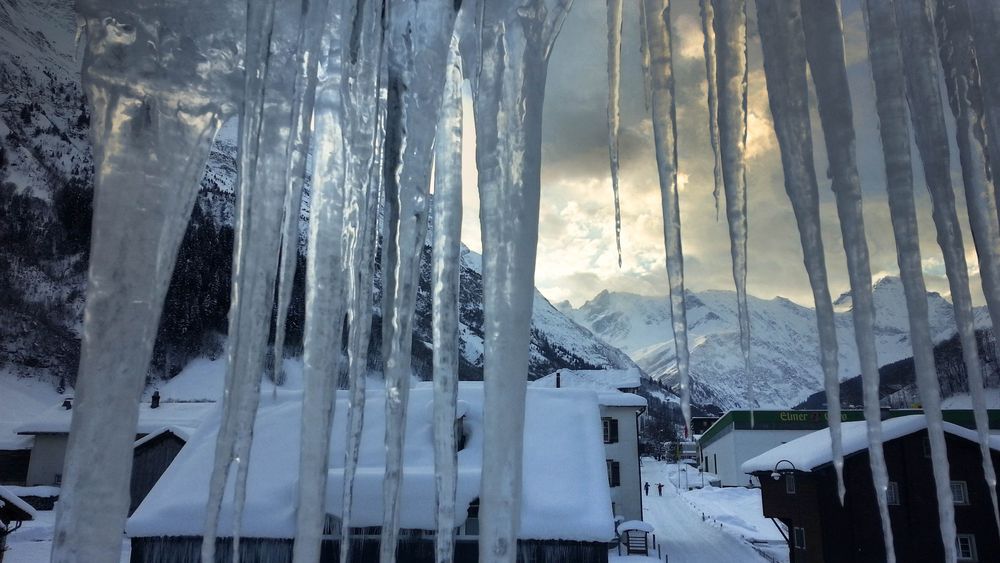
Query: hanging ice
{"x": 887, "y": 72}
{"x": 159, "y": 81}
{"x": 959, "y": 61}
{"x": 614, "y": 106}
{"x": 445, "y": 279}
{"x": 825, "y": 53}
{"x": 515, "y": 42}
{"x": 985, "y": 22}
{"x": 708, "y": 30}
{"x": 265, "y": 134}
{"x": 363, "y": 112}
{"x": 783, "y": 46}
{"x": 665, "y": 133}
{"x": 419, "y": 36}
{"x": 731, "y": 72}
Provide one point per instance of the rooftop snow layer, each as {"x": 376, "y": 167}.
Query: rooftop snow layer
{"x": 56, "y": 420}
{"x": 565, "y": 485}
{"x": 596, "y": 379}
{"x": 814, "y": 450}
{"x": 6, "y": 496}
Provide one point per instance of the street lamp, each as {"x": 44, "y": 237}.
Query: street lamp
{"x": 776, "y": 474}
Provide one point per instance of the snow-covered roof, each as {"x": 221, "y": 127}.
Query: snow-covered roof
{"x": 636, "y": 525}
{"x": 596, "y": 379}
{"x": 8, "y": 497}
{"x": 606, "y": 382}
{"x": 184, "y": 433}
{"x": 565, "y": 491}
{"x": 56, "y": 420}
{"x": 814, "y": 450}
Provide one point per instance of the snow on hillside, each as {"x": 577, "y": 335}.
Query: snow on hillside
{"x": 785, "y": 349}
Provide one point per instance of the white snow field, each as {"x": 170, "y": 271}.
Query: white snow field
{"x": 708, "y": 525}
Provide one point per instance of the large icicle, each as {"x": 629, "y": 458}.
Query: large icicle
{"x": 711, "y": 73}
{"x": 959, "y": 61}
{"x": 445, "y": 279}
{"x": 828, "y": 66}
{"x": 665, "y": 134}
{"x": 515, "y": 42}
{"x": 265, "y": 132}
{"x": 922, "y": 73}
{"x": 783, "y": 46}
{"x": 419, "y": 36}
{"x": 363, "y": 111}
{"x": 731, "y": 72}
{"x": 890, "y": 91}
{"x": 325, "y": 293}
{"x": 148, "y": 94}
{"x": 614, "y": 106}
{"x": 985, "y": 23}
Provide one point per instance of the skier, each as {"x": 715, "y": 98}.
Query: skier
{"x": 659, "y": 488}
{"x": 646, "y": 486}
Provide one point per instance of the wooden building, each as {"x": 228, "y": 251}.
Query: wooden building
{"x": 565, "y": 502}
{"x": 799, "y": 488}
{"x": 151, "y": 455}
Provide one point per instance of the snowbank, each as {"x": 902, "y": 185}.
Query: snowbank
{"x": 814, "y": 450}
{"x": 565, "y": 486}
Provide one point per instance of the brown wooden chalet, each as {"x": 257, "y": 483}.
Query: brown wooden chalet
{"x": 799, "y": 489}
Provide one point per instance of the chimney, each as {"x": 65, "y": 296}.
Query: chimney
{"x": 155, "y": 403}
{"x": 558, "y": 380}
{"x": 67, "y": 403}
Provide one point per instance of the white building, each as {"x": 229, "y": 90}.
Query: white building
{"x": 738, "y": 436}
{"x": 620, "y": 411}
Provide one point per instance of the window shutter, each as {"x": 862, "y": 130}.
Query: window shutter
{"x": 616, "y": 477}
{"x": 614, "y": 431}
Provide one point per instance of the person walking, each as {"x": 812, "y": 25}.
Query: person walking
{"x": 659, "y": 488}
{"x": 646, "y": 486}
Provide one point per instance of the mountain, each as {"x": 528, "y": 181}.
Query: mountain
{"x": 784, "y": 345}
{"x": 46, "y": 189}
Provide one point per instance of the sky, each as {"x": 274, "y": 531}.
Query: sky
{"x": 576, "y": 249}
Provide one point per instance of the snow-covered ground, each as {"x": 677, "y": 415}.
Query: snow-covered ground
{"x": 706, "y": 525}
{"x": 32, "y": 543}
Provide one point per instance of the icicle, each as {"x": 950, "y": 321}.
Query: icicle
{"x": 264, "y": 134}
{"x": 890, "y": 90}
{"x": 302, "y": 105}
{"x": 961, "y": 77}
{"x": 783, "y": 46}
{"x": 731, "y": 65}
{"x": 445, "y": 279}
{"x": 325, "y": 294}
{"x": 141, "y": 210}
{"x": 922, "y": 72}
{"x": 516, "y": 41}
{"x": 614, "y": 106}
{"x": 419, "y": 35}
{"x": 647, "y": 80}
{"x": 708, "y": 30}
{"x": 664, "y": 130}
{"x": 825, "y": 53}
{"x": 363, "y": 108}
{"x": 985, "y": 22}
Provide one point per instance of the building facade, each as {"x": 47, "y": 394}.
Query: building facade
{"x": 740, "y": 435}
{"x": 799, "y": 488}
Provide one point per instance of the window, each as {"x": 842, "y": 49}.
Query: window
{"x": 614, "y": 473}
{"x": 892, "y": 494}
{"x": 790, "y": 484}
{"x": 966, "y": 547}
{"x": 610, "y": 429}
{"x": 58, "y": 480}
{"x": 960, "y": 492}
{"x": 800, "y": 538}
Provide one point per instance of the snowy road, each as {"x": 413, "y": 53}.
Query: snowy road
{"x": 681, "y": 532}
